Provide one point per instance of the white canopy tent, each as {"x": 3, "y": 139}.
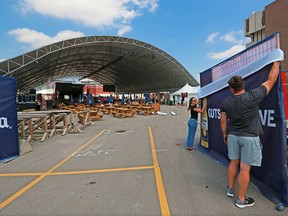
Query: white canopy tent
{"x": 176, "y": 96}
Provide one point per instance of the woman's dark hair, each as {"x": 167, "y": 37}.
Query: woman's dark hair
{"x": 191, "y": 99}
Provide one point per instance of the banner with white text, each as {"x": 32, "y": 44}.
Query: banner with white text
{"x": 271, "y": 178}
{"x": 9, "y": 144}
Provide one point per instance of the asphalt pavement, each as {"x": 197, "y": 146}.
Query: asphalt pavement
{"x": 130, "y": 166}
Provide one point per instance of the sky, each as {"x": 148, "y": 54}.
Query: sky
{"x": 197, "y": 33}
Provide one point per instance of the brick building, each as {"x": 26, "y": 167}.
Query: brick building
{"x": 274, "y": 18}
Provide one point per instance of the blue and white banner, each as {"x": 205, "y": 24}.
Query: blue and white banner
{"x": 9, "y": 144}
{"x": 271, "y": 178}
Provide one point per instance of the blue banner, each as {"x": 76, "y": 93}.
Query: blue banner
{"x": 271, "y": 177}
{"x": 9, "y": 144}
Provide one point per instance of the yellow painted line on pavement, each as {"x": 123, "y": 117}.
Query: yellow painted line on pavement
{"x": 77, "y": 172}
{"x": 102, "y": 170}
{"x": 19, "y": 174}
{"x": 159, "y": 182}
{"x": 31, "y": 184}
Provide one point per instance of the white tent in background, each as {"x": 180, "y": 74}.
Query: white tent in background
{"x": 176, "y": 96}
{"x": 46, "y": 91}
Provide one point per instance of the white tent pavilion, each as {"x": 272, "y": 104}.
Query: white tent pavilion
{"x": 191, "y": 92}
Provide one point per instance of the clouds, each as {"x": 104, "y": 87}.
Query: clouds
{"x": 227, "y": 53}
{"x": 233, "y": 38}
{"x": 38, "y": 39}
{"x": 212, "y": 37}
{"x": 101, "y": 14}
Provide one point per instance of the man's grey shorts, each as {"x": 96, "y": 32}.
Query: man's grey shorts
{"x": 247, "y": 149}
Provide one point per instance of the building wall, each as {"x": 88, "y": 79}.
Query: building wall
{"x": 254, "y": 27}
{"x": 276, "y": 20}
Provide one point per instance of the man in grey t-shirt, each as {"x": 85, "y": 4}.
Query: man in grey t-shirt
{"x": 242, "y": 135}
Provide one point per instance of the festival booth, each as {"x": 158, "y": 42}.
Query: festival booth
{"x": 254, "y": 65}
{"x": 182, "y": 95}
{"x": 9, "y": 146}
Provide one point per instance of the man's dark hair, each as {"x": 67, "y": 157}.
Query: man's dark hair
{"x": 236, "y": 83}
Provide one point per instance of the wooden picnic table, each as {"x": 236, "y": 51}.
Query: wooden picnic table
{"x": 94, "y": 115}
{"x": 99, "y": 108}
{"x": 110, "y": 109}
{"x": 145, "y": 109}
{"x": 117, "y": 105}
{"x": 131, "y": 107}
{"x": 83, "y": 118}
{"x": 122, "y": 112}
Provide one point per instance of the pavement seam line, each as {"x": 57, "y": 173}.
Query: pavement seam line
{"x": 34, "y": 182}
{"x": 158, "y": 177}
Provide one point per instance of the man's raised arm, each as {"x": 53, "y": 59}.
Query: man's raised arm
{"x": 272, "y": 77}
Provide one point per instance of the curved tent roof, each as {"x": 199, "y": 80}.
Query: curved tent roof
{"x": 131, "y": 65}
